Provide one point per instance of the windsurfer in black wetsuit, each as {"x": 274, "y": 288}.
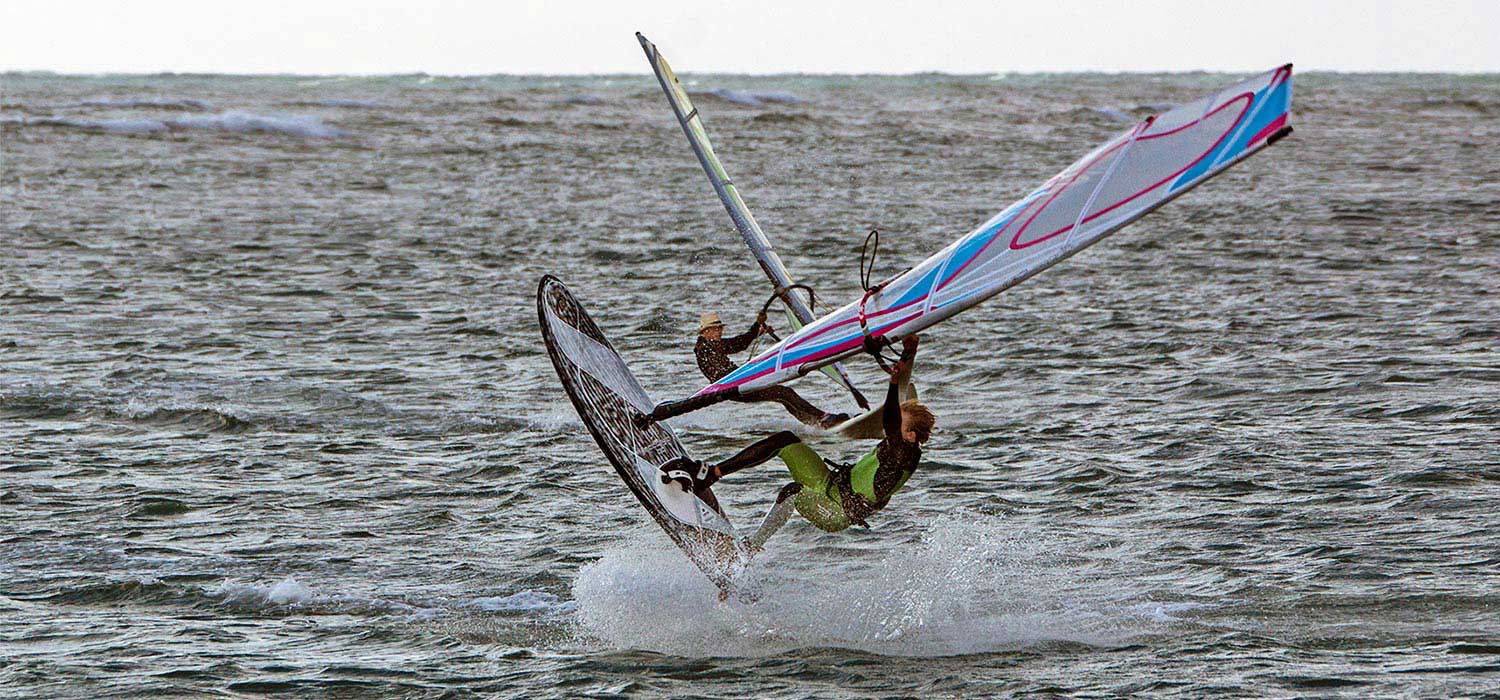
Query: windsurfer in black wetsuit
{"x": 713, "y": 350}
{"x": 830, "y": 498}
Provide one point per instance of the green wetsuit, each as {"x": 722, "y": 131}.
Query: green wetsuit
{"x": 834, "y": 500}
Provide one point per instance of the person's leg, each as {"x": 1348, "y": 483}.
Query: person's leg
{"x": 808, "y": 495}
{"x": 780, "y": 511}
{"x": 754, "y": 455}
{"x": 793, "y": 402}
{"x": 821, "y": 510}
{"x": 813, "y": 501}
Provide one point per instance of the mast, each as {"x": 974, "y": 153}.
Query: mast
{"x": 798, "y": 314}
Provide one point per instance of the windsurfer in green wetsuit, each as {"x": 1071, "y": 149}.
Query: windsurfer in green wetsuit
{"x": 830, "y": 498}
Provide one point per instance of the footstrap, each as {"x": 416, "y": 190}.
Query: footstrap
{"x": 679, "y": 476}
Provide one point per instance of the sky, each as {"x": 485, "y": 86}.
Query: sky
{"x": 454, "y": 37}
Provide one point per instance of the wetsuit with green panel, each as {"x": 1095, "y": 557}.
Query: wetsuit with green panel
{"x": 833, "y": 498}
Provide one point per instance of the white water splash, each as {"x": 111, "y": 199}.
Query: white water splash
{"x": 968, "y": 585}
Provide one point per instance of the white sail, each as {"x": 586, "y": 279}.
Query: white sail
{"x": 1115, "y": 184}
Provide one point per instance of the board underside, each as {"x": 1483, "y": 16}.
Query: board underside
{"x": 608, "y": 400}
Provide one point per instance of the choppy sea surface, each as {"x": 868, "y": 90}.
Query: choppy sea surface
{"x": 275, "y": 420}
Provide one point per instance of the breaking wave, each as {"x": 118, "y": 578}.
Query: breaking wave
{"x": 238, "y": 122}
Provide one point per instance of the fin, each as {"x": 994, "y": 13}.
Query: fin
{"x": 867, "y": 425}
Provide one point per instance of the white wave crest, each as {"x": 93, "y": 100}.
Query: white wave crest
{"x": 287, "y": 591}
{"x": 239, "y": 122}
{"x": 291, "y": 594}
{"x": 754, "y": 98}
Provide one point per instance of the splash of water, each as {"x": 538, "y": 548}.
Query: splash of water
{"x": 966, "y": 585}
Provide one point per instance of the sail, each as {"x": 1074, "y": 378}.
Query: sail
{"x": 797, "y": 312}
{"x": 1120, "y": 181}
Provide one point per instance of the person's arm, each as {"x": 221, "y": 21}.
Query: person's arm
{"x": 740, "y": 342}
{"x": 890, "y": 413}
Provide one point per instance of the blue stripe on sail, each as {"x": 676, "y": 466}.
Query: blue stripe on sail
{"x": 794, "y": 357}
{"x": 966, "y": 250}
{"x": 1279, "y": 101}
{"x": 748, "y": 369}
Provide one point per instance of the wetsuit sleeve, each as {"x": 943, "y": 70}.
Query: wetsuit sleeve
{"x": 740, "y": 342}
{"x": 890, "y": 413}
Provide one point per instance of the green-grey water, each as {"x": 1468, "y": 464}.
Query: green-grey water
{"x": 275, "y": 420}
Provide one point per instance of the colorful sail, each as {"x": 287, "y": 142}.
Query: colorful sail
{"x": 1126, "y": 178}
{"x": 797, "y": 312}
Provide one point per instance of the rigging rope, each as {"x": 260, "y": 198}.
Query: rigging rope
{"x": 872, "y": 344}
{"x": 812, "y": 302}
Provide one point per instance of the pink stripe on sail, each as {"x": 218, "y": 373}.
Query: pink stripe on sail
{"x": 1249, "y": 99}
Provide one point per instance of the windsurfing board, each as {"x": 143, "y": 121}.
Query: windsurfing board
{"x": 608, "y": 399}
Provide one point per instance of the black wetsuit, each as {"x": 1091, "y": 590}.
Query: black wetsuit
{"x": 713, "y": 360}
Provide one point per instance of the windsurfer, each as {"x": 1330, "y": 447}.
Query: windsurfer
{"x": 830, "y": 497}
{"x": 713, "y": 350}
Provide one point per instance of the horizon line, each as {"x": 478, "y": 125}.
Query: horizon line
{"x": 648, "y": 74}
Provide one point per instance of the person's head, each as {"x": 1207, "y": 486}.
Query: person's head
{"x": 709, "y": 326}
{"x": 916, "y": 421}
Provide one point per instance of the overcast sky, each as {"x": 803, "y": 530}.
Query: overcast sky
{"x": 745, "y": 36}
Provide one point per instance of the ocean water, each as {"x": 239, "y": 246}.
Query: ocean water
{"x": 275, "y": 420}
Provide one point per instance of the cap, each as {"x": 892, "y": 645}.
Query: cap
{"x": 708, "y": 320}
